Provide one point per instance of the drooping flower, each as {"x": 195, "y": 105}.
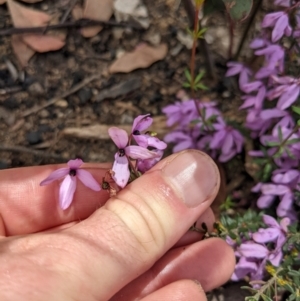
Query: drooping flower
{"x": 141, "y": 123}
{"x": 146, "y": 164}
{"x": 68, "y": 185}
{"x": 120, "y": 167}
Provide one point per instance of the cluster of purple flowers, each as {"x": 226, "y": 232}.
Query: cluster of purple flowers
{"x": 269, "y": 96}
{"x": 147, "y": 152}
{"x": 207, "y": 132}
{"x": 265, "y": 246}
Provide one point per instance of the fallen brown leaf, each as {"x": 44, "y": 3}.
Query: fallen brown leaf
{"x": 99, "y": 10}
{"x": 22, "y": 51}
{"x": 26, "y": 17}
{"x": 44, "y": 43}
{"x": 142, "y": 57}
{"x": 77, "y": 12}
{"x": 25, "y": 45}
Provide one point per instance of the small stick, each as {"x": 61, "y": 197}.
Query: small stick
{"x": 22, "y": 149}
{"x": 72, "y": 24}
{"x": 248, "y": 26}
{"x": 53, "y": 100}
{"x": 71, "y": 5}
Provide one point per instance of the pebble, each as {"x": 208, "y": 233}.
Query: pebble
{"x": 36, "y": 89}
{"x": 34, "y": 137}
{"x": 44, "y": 113}
{"x": 62, "y": 103}
{"x": 84, "y": 95}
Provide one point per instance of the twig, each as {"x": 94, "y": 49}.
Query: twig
{"x": 209, "y": 63}
{"x": 249, "y": 24}
{"x": 71, "y": 5}
{"x": 22, "y": 149}
{"x": 72, "y": 24}
{"x": 10, "y": 90}
{"x": 53, "y": 100}
{"x": 231, "y": 36}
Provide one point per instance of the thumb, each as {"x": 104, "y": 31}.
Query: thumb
{"x": 131, "y": 231}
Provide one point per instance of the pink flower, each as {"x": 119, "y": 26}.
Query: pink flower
{"x": 68, "y": 185}
{"x": 125, "y": 152}
{"x": 140, "y": 124}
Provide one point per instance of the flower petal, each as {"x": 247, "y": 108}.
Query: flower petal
{"x": 288, "y": 97}
{"x": 253, "y": 250}
{"x": 270, "y": 221}
{"x": 266, "y": 235}
{"x": 141, "y": 123}
{"x": 55, "y": 175}
{"x": 265, "y": 201}
{"x": 74, "y": 164}
{"x": 138, "y": 152}
{"x": 66, "y": 191}
{"x": 118, "y": 136}
{"x": 88, "y": 180}
{"x": 121, "y": 170}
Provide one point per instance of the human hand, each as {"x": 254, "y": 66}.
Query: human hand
{"x": 134, "y": 246}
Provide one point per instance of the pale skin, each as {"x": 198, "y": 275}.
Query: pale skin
{"x": 135, "y": 246}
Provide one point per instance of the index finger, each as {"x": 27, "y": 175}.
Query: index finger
{"x": 26, "y": 207}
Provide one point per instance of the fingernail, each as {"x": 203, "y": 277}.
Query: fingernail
{"x": 193, "y": 175}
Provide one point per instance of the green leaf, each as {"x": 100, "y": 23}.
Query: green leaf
{"x": 298, "y": 122}
{"x": 296, "y": 109}
{"x": 188, "y": 75}
{"x": 294, "y": 273}
{"x": 201, "y": 33}
{"x": 238, "y": 10}
{"x": 186, "y": 85}
{"x": 199, "y": 77}
{"x": 272, "y": 143}
{"x": 280, "y": 134}
{"x": 201, "y": 86}
{"x": 292, "y": 141}
{"x": 266, "y": 298}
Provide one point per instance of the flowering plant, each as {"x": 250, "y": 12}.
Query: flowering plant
{"x": 267, "y": 244}
{"x": 130, "y": 162}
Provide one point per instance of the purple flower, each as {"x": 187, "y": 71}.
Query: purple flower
{"x": 120, "y": 166}
{"x": 182, "y": 141}
{"x": 254, "y": 101}
{"x": 283, "y": 185}
{"x": 145, "y": 165}
{"x": 140, "y": 124}
{"x": 280, "y": 22}
{"x": 276, "y": 232}
{"x": 262, "y": 254}
{"x": 274, "y": 57}
{"x": 255, "y": 123}
{"x": 228, "y": 140}
{"x": 181, "y": 112}
{"x": 244, "y": 267}
{"x": 68, "y": 185}
{"x": 235, "y": 68}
